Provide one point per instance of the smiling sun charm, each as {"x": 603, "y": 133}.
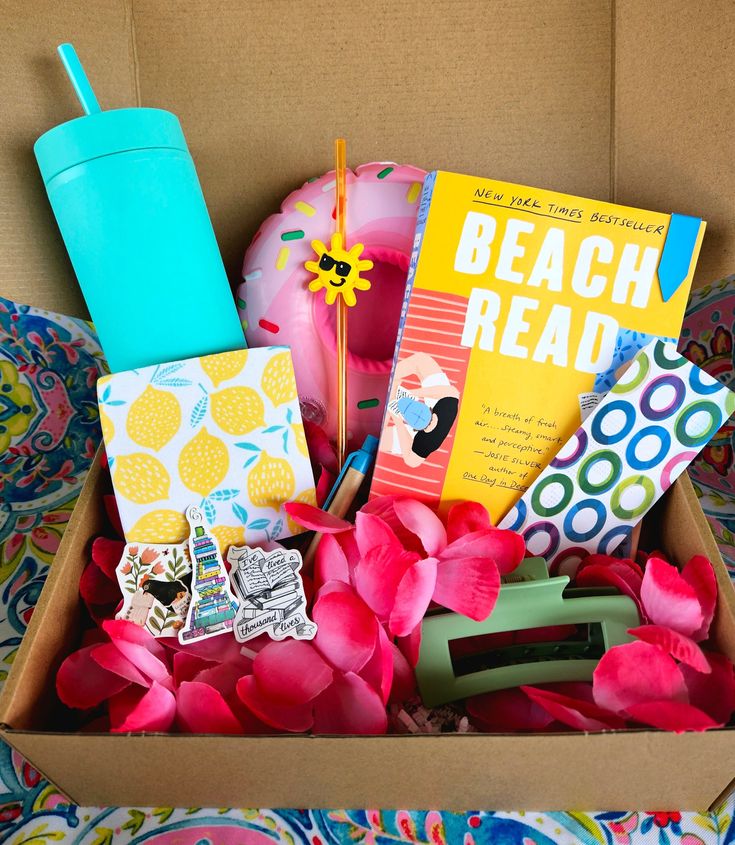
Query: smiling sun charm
{"x": 338, "y": 270}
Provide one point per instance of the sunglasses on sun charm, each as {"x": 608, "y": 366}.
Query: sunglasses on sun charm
{"x": 326, "y": 262}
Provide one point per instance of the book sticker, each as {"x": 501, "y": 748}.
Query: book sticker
{"x": 628, "y": 452}
{"x": 213, "y": 607}
{"x": 155, "y": 580}
{"x": 271, "y": 594}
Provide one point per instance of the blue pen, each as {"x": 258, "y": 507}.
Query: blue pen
{"x": 346, "y": 488}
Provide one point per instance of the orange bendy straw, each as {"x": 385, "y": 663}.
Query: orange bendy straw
{"x": 338, "y": 275}
{"x": 340, "y": 169}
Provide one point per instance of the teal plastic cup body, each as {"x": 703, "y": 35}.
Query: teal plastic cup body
{"x": 128, "y": 202}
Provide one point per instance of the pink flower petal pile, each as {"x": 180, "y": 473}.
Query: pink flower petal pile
{"x": 151, "y": 685}
{"x": 662, "y": 679}
{"x": 372, "y": 584}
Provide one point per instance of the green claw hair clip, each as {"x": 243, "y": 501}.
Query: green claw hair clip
{"x": 528, "y": 599}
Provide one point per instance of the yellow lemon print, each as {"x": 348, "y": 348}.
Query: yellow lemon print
{"x": 203, "y": 463}
{"x": 308, "y": 497}
{"x": 238, "y": 410}
{"x": 224, "y": 365}
{"x": 108, "y": 429}
{"x": 228, "y": 535}
{"x": 140, "y": 478}
{"x": 154, "y": 418}
{"x": 270, "y": 482}
{"x": 278, "y": 380}
{"x": 162, "y": 526}
{"x": 300, "y": 438}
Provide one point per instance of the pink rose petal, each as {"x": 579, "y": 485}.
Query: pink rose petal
{"x": 507, "y": 710}
{"x": 410, "y": 646}
{"x": 96, "y": 588}
{"x": 291, "y": 672}
{"x": 576, "y": 713}
{"x": 315, "y": 519}
{"x": 188, "y": 666}
{"x": 215, "y": 649}
{"x": 201, "y": 709}
{"x": 633, "y": 673}
{"x": 113, "y": 514}
{"x": 505, "y": 547}
{"x": 350, "y": 706}
{"x": 330, "y": 562}
{"x": 413, "y": 596}
{"x": 424, "y": 523}
{"x": 109, "y": 657}
{"x": 714, "y": 692}
{"x": 378, "y": 671}
{"x": 335, "y": 587}
{"x": 295, "y": 719}
{"x": 607, "y": 576}
{"x": 137, "y": 710}
{"x": 83, "y": 683}
{"x": 347, "y": 630}
{"x": 681, "y": 648}
{"x": 700, "y": 576}
{"x": 107, "y": 554}
{"x": 223, "y": 677}
{"x": 669, "y": 600}
{"x": 404, "y": 679}
{"x": 469, "y": 586}
{"x": 674, "y": 716}
{"x": 466, "y": 518}
{"x": 120, "y": 629}
{"x": 384, "y": 507}
{"x": 371, "y": 532}
{"x": 143, "y": 660}
{"x": 378, "y": 575}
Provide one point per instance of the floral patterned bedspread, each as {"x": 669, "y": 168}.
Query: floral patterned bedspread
{"x": 49, "y": 430}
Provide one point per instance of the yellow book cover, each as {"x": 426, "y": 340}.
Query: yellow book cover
{"x": 521, "y": 307}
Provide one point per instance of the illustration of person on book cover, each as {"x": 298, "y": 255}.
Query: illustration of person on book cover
{"x": 419, "y": 418}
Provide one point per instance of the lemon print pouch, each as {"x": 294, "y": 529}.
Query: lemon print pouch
{"x": 219, "y": 432}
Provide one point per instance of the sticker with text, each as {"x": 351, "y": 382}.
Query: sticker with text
{"x": 271, "y": 594}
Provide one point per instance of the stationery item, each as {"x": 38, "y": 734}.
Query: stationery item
{"x": 345, "y": 489}
{"x": 213, "y": 607}
{"x": 223, "y": 430}
{"x": 127, "y": 199}
{"x": 155, "y": 581}
{"x": 271, "y": 594}
{"x": 447, "y": 672}
{"x": 338, "y": 274}
{"x": 276, "y": 305}
{"x": 628, "y": 452}
{"x": 522, "y": 306}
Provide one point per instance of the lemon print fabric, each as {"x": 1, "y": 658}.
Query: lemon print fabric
{"x": 154, "y": 418}
{"x": 222, "y": 432}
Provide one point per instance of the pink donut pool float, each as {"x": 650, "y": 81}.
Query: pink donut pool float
{"x": 277, "y": 307}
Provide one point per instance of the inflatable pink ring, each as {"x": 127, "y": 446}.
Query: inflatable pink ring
{"x": 277, "y": 307}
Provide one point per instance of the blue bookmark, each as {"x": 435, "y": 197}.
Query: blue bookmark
{"x": 676, "y": 257}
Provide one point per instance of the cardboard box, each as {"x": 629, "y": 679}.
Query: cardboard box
{"x": 616, "y": 100}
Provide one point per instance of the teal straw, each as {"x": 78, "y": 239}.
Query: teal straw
{"x": 78, "y": 78}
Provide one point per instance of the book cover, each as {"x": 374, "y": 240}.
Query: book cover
{"x": 522, "y": 306}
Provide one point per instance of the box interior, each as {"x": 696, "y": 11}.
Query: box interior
{"x": 613, "y": 100}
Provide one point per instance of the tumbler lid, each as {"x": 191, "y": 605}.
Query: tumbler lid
{"x": 104, "y": 133}
{"x": 101, "y": 133}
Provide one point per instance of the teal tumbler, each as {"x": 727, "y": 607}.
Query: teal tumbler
{"x": 126, "y": 196}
